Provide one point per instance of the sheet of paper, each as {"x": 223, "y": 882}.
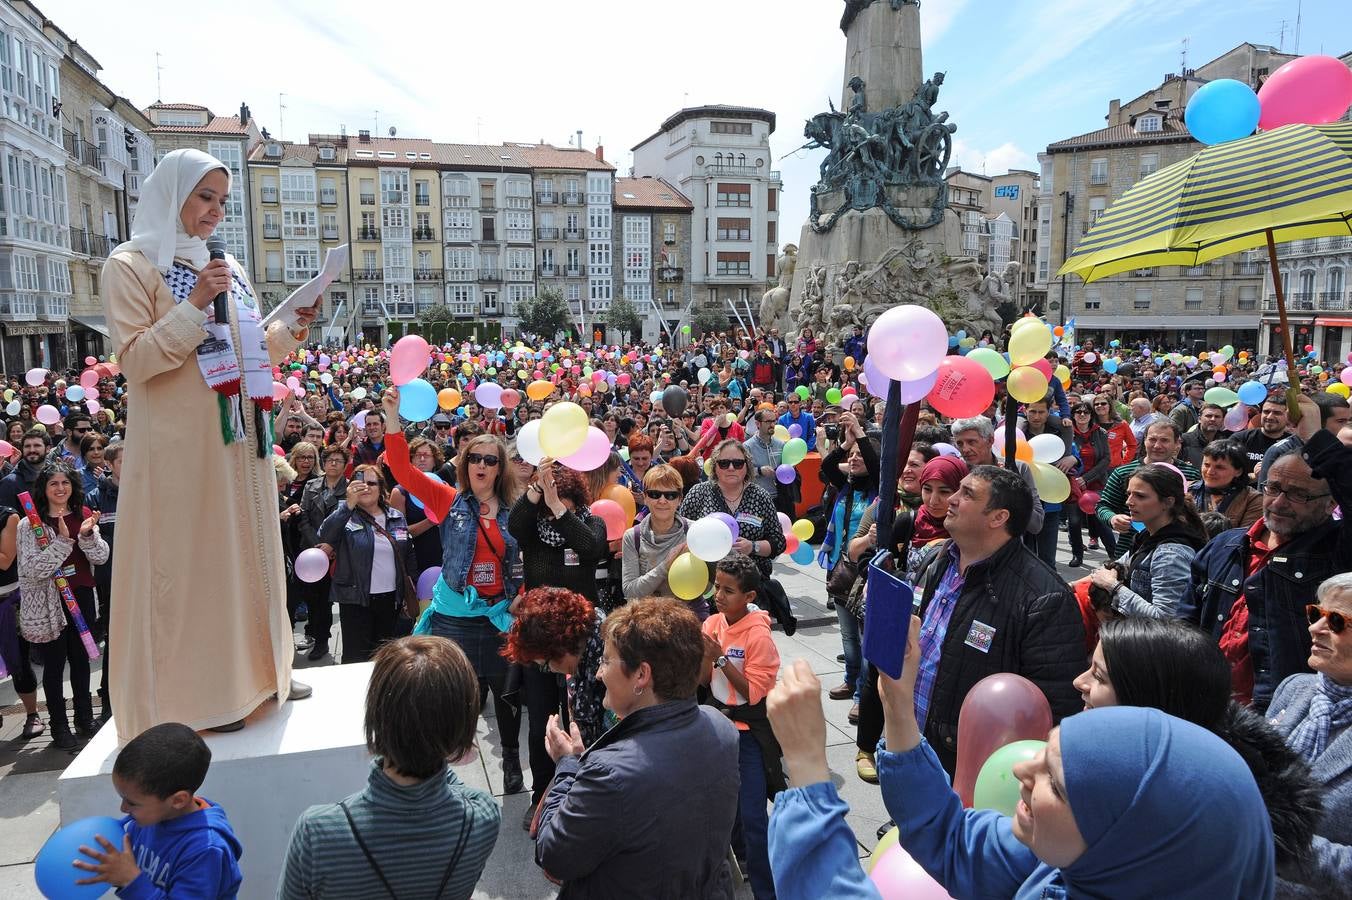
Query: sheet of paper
{"x": 335, "y": 261}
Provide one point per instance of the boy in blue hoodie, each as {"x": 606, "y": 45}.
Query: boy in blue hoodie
{"x": 176, "y": 844}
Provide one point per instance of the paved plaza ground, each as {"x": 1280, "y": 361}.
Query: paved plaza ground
{"x": 29, "y": 769}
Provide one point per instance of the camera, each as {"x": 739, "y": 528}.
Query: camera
{"x": 832, "y": 431}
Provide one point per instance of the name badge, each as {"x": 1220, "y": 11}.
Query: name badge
{"x": 354, "y": 525}
{"x": 749, "y": 519}
{"x": 483, "y": 573}
{"x": 980, "y": 637}
{"x": 570, "y": 558}
{"x": 399, "y": 534}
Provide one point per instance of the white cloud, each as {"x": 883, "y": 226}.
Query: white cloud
{"x": 992, "y": 161}
{"x": 936, "y": 16}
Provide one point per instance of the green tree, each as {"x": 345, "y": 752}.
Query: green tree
{"x": 709, "y": 318}
{"x": 545, "y": 314}
{"x": 623, "y": 316}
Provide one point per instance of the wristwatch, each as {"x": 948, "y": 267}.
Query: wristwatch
{"x": 720, "y": 662}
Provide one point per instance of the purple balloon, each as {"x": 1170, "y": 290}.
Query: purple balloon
{"x": 875, "y": 381}
{"x": 914, "y": 391}
{"x": 785, "y": 474}
{"x": 795, "y": 430}
{"x": 427, "y": 581}
{"x": 947, "y": 450}
{"x": 728, "y": 521}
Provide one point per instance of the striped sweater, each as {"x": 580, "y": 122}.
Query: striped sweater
{"x": 411, "y": 831}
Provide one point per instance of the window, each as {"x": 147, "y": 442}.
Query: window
{"x": 729, "y": 127}
{"x": 302, "y": 262}
{"x": 733, "y": 264}
{"x": 1098, "y": 170}
{"x": 598, "y": 256}
{"x": 370, "y": 260}
{"x": 460, "y": 297}
{"x": 598, "y": 219}
{"x": 1248, "y": 297}
{"x": 574, "y": 294}
{"x": 456, "y": 191}
{"x": 330, "y": 226}
{"x": 638, "y": 252}
{"x": 1150, "y": 162}
{"x": 489, "y": 228}
{"x": 668, "y": 232}
{"x": 394, "y": 186}
{"x": 599, "y": 294}
{"x": 1097, "y": 206}
{"x": 517, "y": 192}
{"x": 1192, "y": 299}
{"x": 772, "y": 196}
{"x": 734, "y": 230}
{"x": 1093, "y": 299}
{"x": 459, "y": 264}
{"x": 1143, "y": 296}
{"x": 299, "y": 224}
{"x": 298, "y": 187}
{"x": 328, "y": 191}
{"x": 519, "y": 264}
{"x": 638, "y": 292}
{"x": 368, "y": 191}
{"x": 459, "y": 225}
{"x": 1147, "y": 124}
{"x": 517, "y": 223}
{"x": 326, "y": 153}
{"x": 370, "y": 302}
{"x": 599, "y": 193}
{"x": 772, "y": 234}
{"x": 734, "y": 195}
{"x": 516, "y": 295}
{"x": 422, "y": 193}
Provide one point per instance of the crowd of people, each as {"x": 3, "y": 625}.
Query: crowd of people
{"x": 659, "y": 729}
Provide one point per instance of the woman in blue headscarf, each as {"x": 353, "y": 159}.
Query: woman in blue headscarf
{"x": 1123, "y": 802}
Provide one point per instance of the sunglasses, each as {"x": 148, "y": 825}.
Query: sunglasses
{"x": 486, "y": 459}
{"x": 82, "y": 430}
{"x": 443, "y": 426}
{"x": 732, "y": 464}
{"x": 1337, "y": 621}
{"x": 667, "y": 495}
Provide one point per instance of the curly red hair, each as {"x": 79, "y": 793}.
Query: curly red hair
{"x": 551, "y": 622}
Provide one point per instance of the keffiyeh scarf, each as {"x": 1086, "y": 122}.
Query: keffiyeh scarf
{"x": 1329, "y": 713}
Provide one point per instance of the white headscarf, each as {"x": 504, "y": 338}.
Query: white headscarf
{"x": 157, "y": 230}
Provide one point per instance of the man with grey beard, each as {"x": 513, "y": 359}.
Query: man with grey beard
{"x": 1250, "y": 586}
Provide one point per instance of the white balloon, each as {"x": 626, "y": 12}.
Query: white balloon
{"x": 13, "y": 408}
{"x": 709, "y": 539}
{"x": 528, "y": 443}
{"x": 1047, "y": 448}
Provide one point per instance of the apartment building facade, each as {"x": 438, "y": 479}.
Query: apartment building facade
{"x": 652, "y": 247}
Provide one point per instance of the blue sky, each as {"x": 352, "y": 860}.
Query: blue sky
{"x": 1021, "y": 73}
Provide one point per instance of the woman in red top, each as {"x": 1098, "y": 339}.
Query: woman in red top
{"x": 1121, "y": 441}
{"x": 1090, "y": 444}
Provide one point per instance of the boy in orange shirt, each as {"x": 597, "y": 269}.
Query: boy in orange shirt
{"x": 741, "y": 665}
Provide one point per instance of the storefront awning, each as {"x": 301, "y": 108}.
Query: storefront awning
{"x": 93, "y": 323}
{"x": 1337, "y": 323}
{"x": 29, "y": 329}
{"x": 1166, "y": 323}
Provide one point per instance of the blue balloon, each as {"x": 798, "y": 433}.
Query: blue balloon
{"x": 803, "y": 555}
{"x": 417, "y": 400}
{"x": 1252, "y": 393}
{"x": 1110, "y": 365}
{"x": 952, "y": 340}
{"x": 1222, "y": 110}
{"x": 53, "y": 870}
{"x": 416, "y": 502}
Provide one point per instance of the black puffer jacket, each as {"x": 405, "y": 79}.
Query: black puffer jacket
{"x": 1035, "y": 629}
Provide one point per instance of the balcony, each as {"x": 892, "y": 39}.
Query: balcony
{"x": 546, "y": 198}
{"x": 395, "y": 198}
{"x": 426, "y": 274}
{"x": 272, "y": 232}
{"x": 368, "y": 234}
{"x": 578, "y": 271}
{"x": 367, "y": 274}
{"x": 734, "y": 170}
{"x": 368, "y": 199}
{"x": 1202, "y": 271}
{"x": 330, "y": 234}
{"x": 575, "y": 198}
{"x": 268, "y": 194}
{"x": 89, "y": 244}
{"x": 299, "y": 276}
{"x": 1333, "y": 300}
{"x": 424, "y": 234}
{"x": 81, "y": 151}
{"x": 518, "y": 274}
{"x": 549, "y": 271}
{"x": 422, "y": 200}
{"x": 18, "y": 307}
{"x": 1144, "y": 273}
{"x": 547, "y": 234}
{"x": 53, "y": 309}
{"x": 328, "y": 198}
{"x": 670, "y": 273}
{"x": 1246, "y": 268}
{"x": 1335, "y": 244}
{"x": 490, "y": 275}
{"x": 574, "y": 234}
{"x": 272, "y": 275}
{"x": 487, "y": 207}
{"x": 1300, "y": 300}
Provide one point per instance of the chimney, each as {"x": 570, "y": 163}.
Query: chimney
{"x": 364, "y": 136}
{"x": 601, "y": 152}
{"x": 1114, "y": 111}
{"x": 579, "y": 139}
{"x": 244, "y": 114}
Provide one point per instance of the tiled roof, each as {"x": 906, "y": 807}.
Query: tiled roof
{"x": 546, "y": 156}
{"x": 649, "y": 193}
{"x": 192, "y": 106}
{"x": 480, "y": 156}
{"x": 219, "y": 125}
{"x": 307, "y": 152}
{"x": 1173, "y": 131}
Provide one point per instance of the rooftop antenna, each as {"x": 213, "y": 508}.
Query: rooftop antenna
{"x": 1281, "y": 37}
{"x": 1183, "y": 56}
{"x": 376, "y": 130}
{"x": 478, "y": 130}
{"x": 159, "y": 93}
{"x": 281, "y": 116}
{"x": 1296, "y": 49}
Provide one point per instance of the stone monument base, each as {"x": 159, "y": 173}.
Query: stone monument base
{"x": 284, "y": 760}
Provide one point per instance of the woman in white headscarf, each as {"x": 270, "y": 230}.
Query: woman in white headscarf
{"x": 199, "y": 630}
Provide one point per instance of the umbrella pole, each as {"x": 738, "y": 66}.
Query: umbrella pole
{"x": 1288, "y": 349}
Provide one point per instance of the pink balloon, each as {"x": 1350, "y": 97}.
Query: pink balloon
{"x": 907, "y": 342}
{"x": 409, "y": 357}
{"x": 898, "y": 877}
{"x": 613, "y": 515}
{"x": 90, "y": 360}
{"x": 279, "y": 391}
{"x": 510, "y": 398}
{"x": 93, "y": 406}
{"x": 91, "y": 393}
{"x": 89, "y": 378}
{"x": 6, "y": 449}
{"x": 784, "y": 523}
{"x": 595, "y": 451}
{"x": 999, "y": 709}
{"x": 48, "y": 414}
{"x": 35, "y": 377}
{"x": 963, "y": 388}
{"x": 489, "y": 395}
{"x": 1345, "y": 376}
{"x": 623, "y": 380}
{"x": 311, "y": 565}
{"x": 1045, "y": 367}
{"x": 1309, "y": 90}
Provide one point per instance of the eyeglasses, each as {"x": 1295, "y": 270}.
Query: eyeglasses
{"x": 1081, "y": 412}
{"x": 795, "y": 402}
{"x": 1295, "y": 495}
{"x": 84, "y": 430}
{"x": 443, "y": 426}
{"x": 667, "y": 495}
{"x": 1337, "y": 621}
{"x": 732, "y": 464}
{"x": 485, "y": 459}
{"x": 310, "y": 458}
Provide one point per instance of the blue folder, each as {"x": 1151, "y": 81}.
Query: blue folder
{"x": 887, "y": 617}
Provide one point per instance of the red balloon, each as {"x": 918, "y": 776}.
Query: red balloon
{"x": 1088, "y": 501}
{"x": 999, "y": 709}
{"x": 963, "y": 387}
{"x": 1045, "y": 367}
{"x": 613, "y": 515}
{"x": 1310, "y": 90}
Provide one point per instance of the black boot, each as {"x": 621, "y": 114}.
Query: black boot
{"x": 62, "y": 739}
{"x": 512, "y": 782}
{"x": 1076, "y": 562}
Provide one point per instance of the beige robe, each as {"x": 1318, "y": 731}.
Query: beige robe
{"x": 199, "y": 632}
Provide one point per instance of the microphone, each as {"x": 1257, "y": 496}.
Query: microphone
{"x": 216, "y": 246}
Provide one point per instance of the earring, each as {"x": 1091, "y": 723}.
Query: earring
{"x": 638, "y": 692}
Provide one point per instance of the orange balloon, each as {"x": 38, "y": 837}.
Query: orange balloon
{"x": 1059, "y": 331}
{"x": 1024, "y": 451}
{"x": 539, "y": 390}
{"x": 621, "y": 495}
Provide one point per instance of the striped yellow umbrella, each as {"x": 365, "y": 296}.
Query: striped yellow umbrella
{"x": 1282, "y": 185}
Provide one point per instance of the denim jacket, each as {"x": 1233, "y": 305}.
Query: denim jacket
{"x": 352, "y": 535}
{"x": 460, "y": 532}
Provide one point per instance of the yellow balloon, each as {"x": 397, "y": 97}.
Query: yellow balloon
{"x": 1027, "y": 384}
{"x": 448, "y": 398}
{"x": 467, "y": 368}
{"x": 563, "y": 430}
{"x": 1028, "y": 345}
{"x": 688, "y": 576}
{"x": 782, "y": 433}
{"x": 1052, "y": 484}
{"x": 1063, "y": 375}
{"x": 709, "y": 467}
{"x": 802, "y": 529}
{"x": 1340, "y": 389}
{"x": 539, "y": 390}
{"x": 1022, "y": 323}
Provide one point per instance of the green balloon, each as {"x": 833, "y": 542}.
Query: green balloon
{"x": 795, "y": 450}
{"x": 996, "y": 786}
{"x": 685, "y": 329}
{"x": 991, "y": 360}
{"x": 1223, "y": 397}
{"x": 802, "y": 391}
{"x": 833, "y": 395}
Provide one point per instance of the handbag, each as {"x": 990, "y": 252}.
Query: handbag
{"x": 408, "y": 602}
{"x": 842, "y": 577}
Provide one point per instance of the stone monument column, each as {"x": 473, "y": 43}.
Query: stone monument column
{"x": 882, "y": 46}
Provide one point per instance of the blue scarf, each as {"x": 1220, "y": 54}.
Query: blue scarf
{"x": 832, "y": 546}
{"x": 1330, "y": 712}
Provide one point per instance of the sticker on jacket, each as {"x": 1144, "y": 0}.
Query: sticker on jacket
{"x": 570, "y": 557}
{"x": 980, "y": 637}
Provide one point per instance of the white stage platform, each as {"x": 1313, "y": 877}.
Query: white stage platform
{"x": 285, "y": 760}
